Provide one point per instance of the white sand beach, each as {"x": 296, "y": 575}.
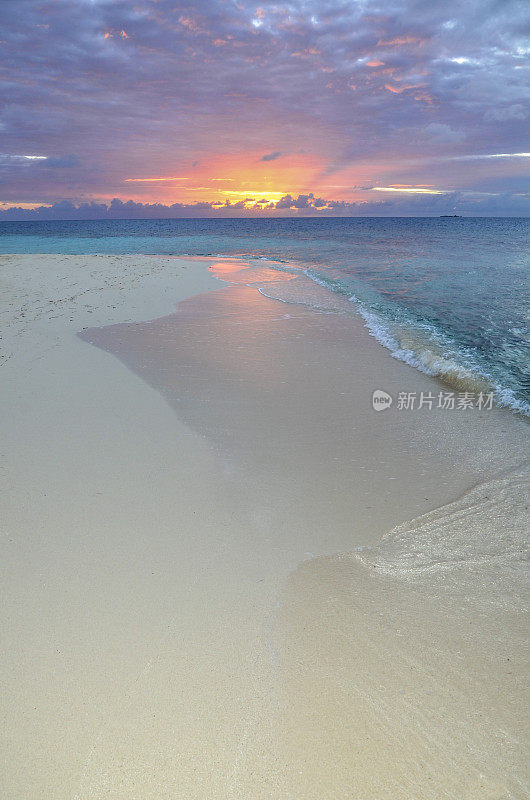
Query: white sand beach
{"x": 224, "y": 574}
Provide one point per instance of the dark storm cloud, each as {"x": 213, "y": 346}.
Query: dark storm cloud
{"x": 126, "y": 88}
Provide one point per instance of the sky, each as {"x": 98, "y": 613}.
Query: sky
{"x": 146, "y": 108}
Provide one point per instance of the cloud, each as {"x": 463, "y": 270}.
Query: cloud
{"x": 507, "y": 113}
{"x": 406, "y": 189}
{"x": 401, "y": 41}
{"x": 441, "y": 132}
{"x": 62, "y": 162}
{"x": 187, "y": 83}
{"x": 303, "y": 201}
{"x": 19, "y": 159}
{"x": 156, "y": 180}
{"x": 482, "y": 156}
{"x": 430, "y": 204}
{"x": 284, "y": 202}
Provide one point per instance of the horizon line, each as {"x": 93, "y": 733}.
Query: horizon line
{"x": 277, "y": 218}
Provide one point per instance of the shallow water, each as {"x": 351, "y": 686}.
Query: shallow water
{"x": 449, "y": 296}
{"x": 411, "y": 657}
{"x": 387, "y": 668}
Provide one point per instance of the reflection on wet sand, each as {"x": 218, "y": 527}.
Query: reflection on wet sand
{"x": 282, "y": 395}
{"x": 244, "y": 272}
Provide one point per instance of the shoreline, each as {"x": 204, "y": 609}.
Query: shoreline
{"x": 439, "y": 320}
{"x": 165, "y": 539}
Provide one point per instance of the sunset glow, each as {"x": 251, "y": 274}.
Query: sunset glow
{"x": 313, "y": 108}
{"x": 408, "y": 189}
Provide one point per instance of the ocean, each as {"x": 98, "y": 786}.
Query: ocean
{"x": 447, "y": 295}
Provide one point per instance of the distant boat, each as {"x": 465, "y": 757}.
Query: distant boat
{"x": 445, "y": 216}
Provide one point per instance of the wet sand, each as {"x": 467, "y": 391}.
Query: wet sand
{"x": 191, "y": 607}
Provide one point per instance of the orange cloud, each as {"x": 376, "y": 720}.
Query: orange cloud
{"x": 232, "y": 177}
{"x": 190, "y": 23}
{"x": 404, "y": 87}
{"x": 310, "y": 51}
{"x": 407, "y": 189}
{"x": 425, "y": 96}
{"x": 400, "y": 41}
{"x": 243, "y": 178}
{"x": 25, "y": 206}
{"x": 116, "y": 34}
{"x": 153, "y": 180}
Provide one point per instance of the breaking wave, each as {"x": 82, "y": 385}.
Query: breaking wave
{"x": 417, "y": 342}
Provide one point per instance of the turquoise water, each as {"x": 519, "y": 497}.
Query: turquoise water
{"x": 448, "y": 295}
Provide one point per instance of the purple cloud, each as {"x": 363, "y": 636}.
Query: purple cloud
{"x": 483, "y": 204}
{"x": 134, "y": 88}
{"x": 271, "y": 156}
